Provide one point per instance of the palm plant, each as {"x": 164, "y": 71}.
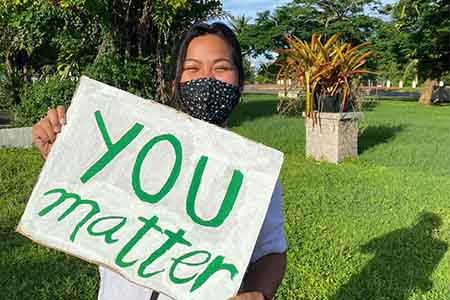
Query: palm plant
{"x": 324, "y": 69}
{"x": 239, "y": 23}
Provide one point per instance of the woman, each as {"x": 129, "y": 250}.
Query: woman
{"x": 209, "y": 78}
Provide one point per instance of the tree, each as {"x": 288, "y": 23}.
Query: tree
{"x": 147, "y": 30}
{"x": 239, "y": 23}
{"x": 121, "y": 42}
{"x": 38, "y": 38}
{"x": 249, "y": 71}
{"x": 302, "y": 18}
{"x": 392, "y": 55}
{"x": 156, "y": 26}
{"x": 269, "y": 28}
{"x": 241, "y": 26}
{"x": 427, "y": 25}
{"x": 344, "y": 16}
{"x": 267, "y": 73}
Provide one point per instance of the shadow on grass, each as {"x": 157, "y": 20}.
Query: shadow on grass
{"x": 250, "y": 110}
{"x": 403, "y": 261}
{"x": 11, "y": 240}
{"x": 375, "y": 135}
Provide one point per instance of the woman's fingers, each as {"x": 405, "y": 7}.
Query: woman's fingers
{"x": 52, "y": 116}
{"x": 47, "y": 149}
{"x": 44, "y": 132}
{"x": 47, "y": 126}
{"x": 248, "y": 296}
{"x": 40, "y": 139}
{"x": 61, "y": 110}
{"x": 40, "y": 145}
{"x": 44, "y": 147}
{"x": 39, "y": 133}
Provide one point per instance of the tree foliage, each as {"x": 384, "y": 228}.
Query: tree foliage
{"x": 427, "y": 25}
{"x": 302, "y": 18}
{"x": 126, "y": 43}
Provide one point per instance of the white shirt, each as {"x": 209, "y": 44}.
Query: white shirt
{"x": 271, "y": 239}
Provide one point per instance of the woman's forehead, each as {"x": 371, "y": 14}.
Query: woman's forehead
{"x": 208, "y": 48}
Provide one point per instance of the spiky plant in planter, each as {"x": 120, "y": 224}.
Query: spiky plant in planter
{"x": 327, "y": 71}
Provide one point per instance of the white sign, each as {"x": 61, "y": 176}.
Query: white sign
{"x": 167, "y": 201}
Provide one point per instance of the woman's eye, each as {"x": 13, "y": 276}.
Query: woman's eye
{"x": 223, "y": 68}
{"x": 190, "y": 68}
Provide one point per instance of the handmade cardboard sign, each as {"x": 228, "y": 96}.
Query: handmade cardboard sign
{"x": 168, "y": 201}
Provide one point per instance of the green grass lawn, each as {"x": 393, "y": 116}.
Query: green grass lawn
{"x": 373, "y": 228}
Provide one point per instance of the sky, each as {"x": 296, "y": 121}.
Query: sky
{"x": 250, "y": 7}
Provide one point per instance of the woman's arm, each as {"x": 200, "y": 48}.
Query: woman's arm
{"x": 265, "y": 275}
{"x": 268, "y": 261}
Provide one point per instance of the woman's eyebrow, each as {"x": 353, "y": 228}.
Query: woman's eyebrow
{"x": 222, "y": 59}
{"x": 193, "y": 60}
{"x": 214, "y": 61}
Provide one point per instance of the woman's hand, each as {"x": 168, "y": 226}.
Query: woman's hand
{"x": 249, "y": 296}
{"x": 45, "y": 132}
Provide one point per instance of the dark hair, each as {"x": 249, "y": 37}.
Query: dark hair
{"x": 200, "y": 29}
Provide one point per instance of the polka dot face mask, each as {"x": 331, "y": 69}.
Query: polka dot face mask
{"x": 208, "y": 99}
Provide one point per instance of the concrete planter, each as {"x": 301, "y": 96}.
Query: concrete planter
{"x": 334, "y": 137}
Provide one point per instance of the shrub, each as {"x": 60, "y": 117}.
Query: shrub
{"x": 37, "y": 97}
{"x": 9, "y": 91}
{"x": 133, "y": 74}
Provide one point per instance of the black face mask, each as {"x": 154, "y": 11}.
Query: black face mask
{"x": 208, "y": 99}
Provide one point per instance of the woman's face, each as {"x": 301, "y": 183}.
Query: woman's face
{"x": 209, "y": 56}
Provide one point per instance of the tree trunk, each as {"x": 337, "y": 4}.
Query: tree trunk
{"x": 427, "y": 92}
{"x": 143, "y": 29}
{"x": 161, "y": 95}
{"x": 9, "y": 66}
